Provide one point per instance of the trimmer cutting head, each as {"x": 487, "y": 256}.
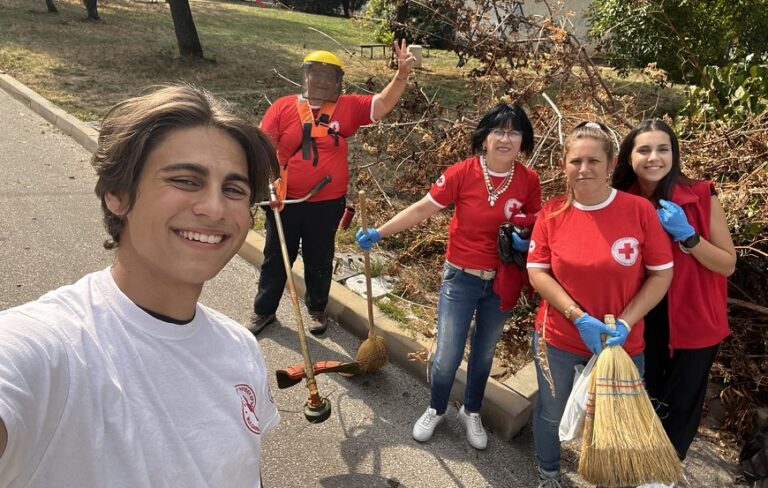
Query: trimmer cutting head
{"x": 318, "y": 413}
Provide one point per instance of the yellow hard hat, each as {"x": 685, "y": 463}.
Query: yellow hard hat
{"x": 322, "y": 57}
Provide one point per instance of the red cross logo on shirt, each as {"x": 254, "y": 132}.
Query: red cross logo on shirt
{"x": 512, "y": 207}
{"x": 625, "y": 251}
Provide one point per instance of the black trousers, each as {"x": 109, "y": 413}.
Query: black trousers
{"x": 313, "y": 224}
{"x": 676, "y": 384}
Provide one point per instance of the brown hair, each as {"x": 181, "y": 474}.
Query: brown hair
{"x": 587, "y": 130}
{"x": 134, "y": 127}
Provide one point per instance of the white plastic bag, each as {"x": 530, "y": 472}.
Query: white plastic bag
{"x": 572, "y": 422}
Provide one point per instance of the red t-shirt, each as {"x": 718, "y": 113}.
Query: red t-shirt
{"x": 599, "y": 255}
{"x": 283, "y": 124}
{"x": 475, "y": 224}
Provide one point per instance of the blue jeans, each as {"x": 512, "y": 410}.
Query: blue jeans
{"x": 463, "y": 295}
{"x": 549, "y": 410}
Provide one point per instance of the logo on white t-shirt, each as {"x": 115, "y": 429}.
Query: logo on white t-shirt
{"x": 440, "y": 181}
{"x": 512, "y": 207}
{"x": 248, "y": 399}
{"x": 625, "y": 251}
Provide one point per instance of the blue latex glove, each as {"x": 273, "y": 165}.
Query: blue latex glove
{"x": 367, "y": 239}
{"x": 590, "y": 330}
{"x": 674, "y": 221}
{"x": 621, "y": 337}
{"x": 519, "y": 244}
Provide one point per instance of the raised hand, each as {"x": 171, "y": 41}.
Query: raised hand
{"x": 405, "y": 59}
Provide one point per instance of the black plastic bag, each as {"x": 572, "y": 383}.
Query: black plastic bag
{"x": 753, "y": 458}
{"x": 507, "y": 253}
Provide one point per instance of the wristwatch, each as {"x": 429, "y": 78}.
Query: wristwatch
{"x": 690, "y": 242}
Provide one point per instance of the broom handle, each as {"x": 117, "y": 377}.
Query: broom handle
{"x": 367, "y": 261}
{"x": 610, "y": 321}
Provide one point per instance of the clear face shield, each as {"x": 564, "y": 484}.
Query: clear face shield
{"x": 321, "y": 81}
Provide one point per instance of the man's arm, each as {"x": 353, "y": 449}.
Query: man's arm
{"x": 3, "y": 437}
{"x": 384, "y": 102}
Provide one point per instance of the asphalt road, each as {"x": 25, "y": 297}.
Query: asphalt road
{"x": 51, "y": 234}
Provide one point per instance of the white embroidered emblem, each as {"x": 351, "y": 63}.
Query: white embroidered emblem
{"x": 625, "y": 251}
{"x": 334, "y": 125}
{"x": 440, "y": 181}
{"x": 531, "y": 246}
{"x": 512, "y": 207}
{"x": 248, "y": 400}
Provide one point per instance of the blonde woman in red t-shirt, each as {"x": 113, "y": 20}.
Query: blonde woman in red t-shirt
{"x": 685, "y": 329}
{"x": 486, "y": 191}
{"x": 593, "y": 251}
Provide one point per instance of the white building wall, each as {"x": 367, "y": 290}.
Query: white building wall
{"x": 579, "y": 25}
{"x": 576, "y": 24}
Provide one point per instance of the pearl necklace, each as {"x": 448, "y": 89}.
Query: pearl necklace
{"x": 494, "y": 193}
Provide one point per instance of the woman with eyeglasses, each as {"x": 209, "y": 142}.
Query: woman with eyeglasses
{"x": 594, "y": 251}
{"x": 486, "y": 190}
{"x": 684, "y": 330}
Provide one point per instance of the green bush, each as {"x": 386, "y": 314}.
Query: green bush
{"x": 422, "y": 25}
{"x": 731, "y": 93}
{"x": 323, "y": 7}
{"x": 680, "y": 36}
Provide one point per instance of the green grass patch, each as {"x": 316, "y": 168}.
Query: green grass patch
{"x": 85, "y": 67}
{"x": 259, "y": 220}
{"x": 393, "y": 311}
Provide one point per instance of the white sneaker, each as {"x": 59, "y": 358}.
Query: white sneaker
{"x": 473, "y": 426}
{"x": 425, "y": 426}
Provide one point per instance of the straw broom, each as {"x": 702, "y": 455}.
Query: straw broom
{"x": 624, "y": 443}
{"x": 372, "y": 353}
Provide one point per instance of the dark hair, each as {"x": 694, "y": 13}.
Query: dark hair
{"x": 504, "y": 116}
{"x": 134, "y": 127}
{"x": 624, "y": 176}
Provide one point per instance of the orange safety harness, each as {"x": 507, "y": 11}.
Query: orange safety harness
{"x": 312, "y": 128}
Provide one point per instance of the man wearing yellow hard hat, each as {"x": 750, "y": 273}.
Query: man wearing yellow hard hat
{"x": 310, "y": 131}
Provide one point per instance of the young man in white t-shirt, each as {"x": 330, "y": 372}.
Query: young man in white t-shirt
{"x": 123, "y": 378}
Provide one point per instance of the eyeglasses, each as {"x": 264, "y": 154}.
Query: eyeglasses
{"x": 500, "y": 133}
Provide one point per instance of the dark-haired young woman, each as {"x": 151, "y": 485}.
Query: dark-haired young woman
{"x": 486, "y": 191}
{"x": 684, "y": 330}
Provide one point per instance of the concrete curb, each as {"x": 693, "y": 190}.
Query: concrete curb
{"x": 507, "y": 407}
{"x": 82, "y": 133}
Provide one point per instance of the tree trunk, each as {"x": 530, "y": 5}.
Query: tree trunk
{"x": 401, "y": 20}
{"x": 399, "y": 30}
{"x": 51, "y": 7}
{"x": 93, "y": 11}
{"x": 186, "y": 33}
{"x": 345, "y": 7}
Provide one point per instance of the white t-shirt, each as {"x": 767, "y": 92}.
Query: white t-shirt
{"x": 95, "y": 392}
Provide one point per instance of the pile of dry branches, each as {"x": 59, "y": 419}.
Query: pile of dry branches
{"x": 538, "y": 63}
